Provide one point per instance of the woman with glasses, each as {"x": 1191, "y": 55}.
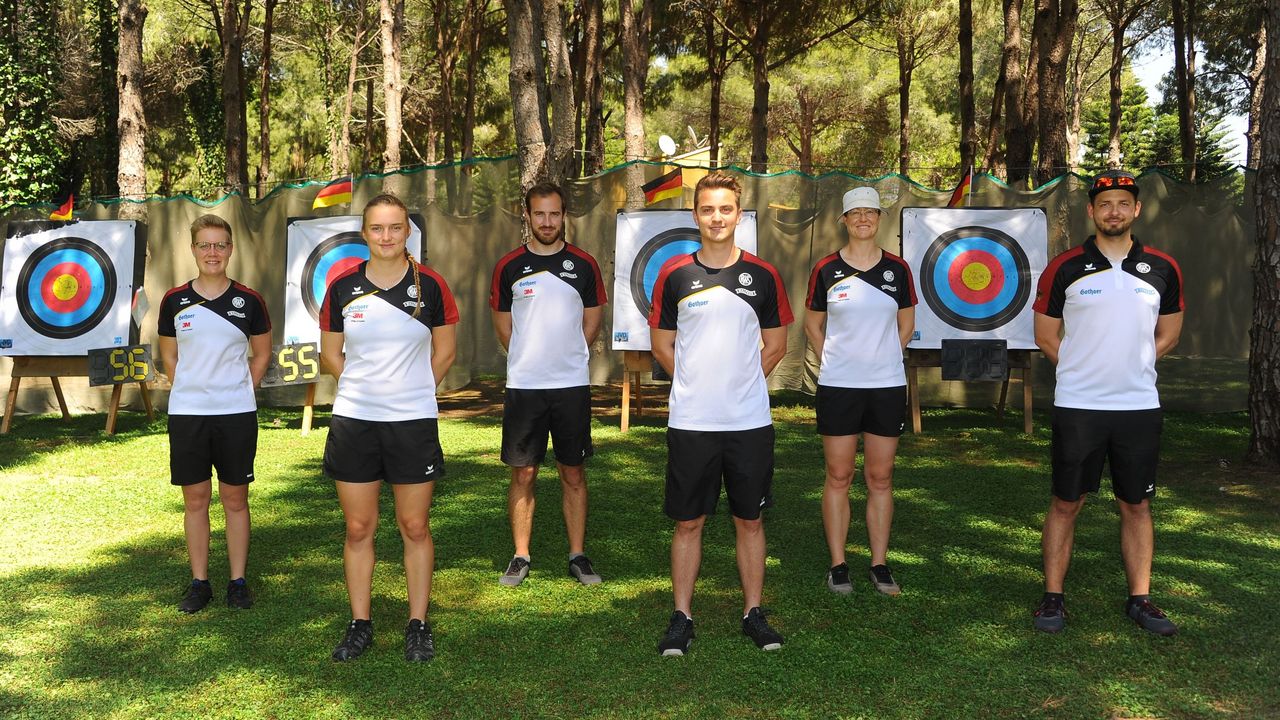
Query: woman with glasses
{"x": 859, "y": 315}
{"x": 208, "y": 327}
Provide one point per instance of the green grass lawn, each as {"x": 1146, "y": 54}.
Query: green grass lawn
{"x": 92, "y": 563}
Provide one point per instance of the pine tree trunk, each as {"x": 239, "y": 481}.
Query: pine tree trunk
{"x": 635, "y": 70}
{"x": 234, "y": 131}
{"x": 524, "y": 79}
{"x": 1116, "y": 95}
{"x": 1257, "y": 86}
{"x": 348, "y": 101}
{"x": 1017, "y": 136}
{"x": 264, "y": 102}
{"x": 1264, "y": 336}
{"x": 904, "y": 103}
{"x": 1055, "y": 29}
{"x": 1182, "y": 85}
{"x": 560, "y": 86}
{"x": 968, "y": 139}
{"x": 391, "y": 26}
{"x": 760, "y": 96}
{"x": 593, "y": 86}
{"x": 131, "y": 166}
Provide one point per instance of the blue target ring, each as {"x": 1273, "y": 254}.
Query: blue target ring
{"x": 336, "y": 253}
{"x": 652, "y": 256}
{"x": 1000, "y": 253}
{"x": 94, "y": 295}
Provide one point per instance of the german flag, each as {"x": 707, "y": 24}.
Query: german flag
{"x": 961, "y": 193}
{"x": 64, "y": 210}
{"x": 335, "y": 193}
{"x": 666, "y": 186}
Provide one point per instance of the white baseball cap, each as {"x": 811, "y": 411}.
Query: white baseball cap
{"x": 861, "y": 197}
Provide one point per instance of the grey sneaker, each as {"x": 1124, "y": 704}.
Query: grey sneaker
{"x": 679, "y": 634}
{"x": 756, "y": 627}
{"x": 580, "y": 568}
{"x": 517, "y": 571}
{"x": 883, "y": 580}
{"x": 1150, "y": 618}
{"x": 838, "y": 579}
{"x": 1050, "y": 616}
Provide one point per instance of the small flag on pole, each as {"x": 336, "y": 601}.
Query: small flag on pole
{"x": 64, "y": 211}
{"x": 335, "y": 193}
{"x": 961, "y": 194}
{"x": 667, "y": 186}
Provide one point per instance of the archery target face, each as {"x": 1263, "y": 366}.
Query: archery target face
{"x": 66, "y": 289}
{"x": 645, "y": 241}
{"x": 975, "y": 272}
{"x": 320, "y": 250}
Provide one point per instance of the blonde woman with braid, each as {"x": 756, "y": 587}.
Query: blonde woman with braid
{"x": 388, "y": 335}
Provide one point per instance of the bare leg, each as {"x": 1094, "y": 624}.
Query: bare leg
{"x": 195, "y": 524}
{"x": 877, "y": 469}
{"x": 686, "y": 559}
{"x": 840, "y": 453}
{"x": 751, "y": 552}
{"x": 1059, "y": 534}
{"x": 235, "y": 505}
{"x": 520, "y": 502}
{"x": 1137, "y": 544}
{"x": 573, "y": 484}
{"x": 413, "y": 515}
{"x": 359, "y": 503}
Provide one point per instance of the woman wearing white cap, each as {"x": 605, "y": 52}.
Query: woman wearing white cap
{"x": 859, "y": 315}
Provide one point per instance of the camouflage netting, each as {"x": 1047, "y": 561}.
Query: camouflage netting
{"x": 471, "y": 213}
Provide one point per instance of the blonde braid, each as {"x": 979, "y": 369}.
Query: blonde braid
{"x": 417, "y": 284}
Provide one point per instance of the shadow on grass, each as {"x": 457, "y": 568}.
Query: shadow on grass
{"x": 970, "y": 496}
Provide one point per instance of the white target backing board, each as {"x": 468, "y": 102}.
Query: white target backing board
{"x": 319, "y": 250}
{"x": 975, "y": 272}
{"x": 645, "y": 241}
{"x": 67, "y": 287}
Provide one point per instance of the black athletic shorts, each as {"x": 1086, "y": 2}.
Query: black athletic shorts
{"x": 199, "y": 444}
{"x": 1128, "y": 440}
{"x": 850, "y": 411}
{"x": 697, "y": 461}
{"x": 529, "y": 415}
{"x": 400, "y": 451}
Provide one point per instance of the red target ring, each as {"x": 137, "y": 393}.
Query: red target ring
{"x": 65, "y": 287}
{"x": 976, "y": 276}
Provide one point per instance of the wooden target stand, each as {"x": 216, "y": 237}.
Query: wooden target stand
{"x": 634, "y": 364}
{"x": 1017, "y": 360}
{"x": 55, "y": 367}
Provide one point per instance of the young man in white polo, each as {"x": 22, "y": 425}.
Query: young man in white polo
{"x": 1105, "y": 312}
{"x": 547, "y": 299}
{"x": 718, "y": 326}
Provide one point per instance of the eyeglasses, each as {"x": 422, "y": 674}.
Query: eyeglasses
{"x": 863, "y": 212}
{"x": 1110, "y": 181}
{"x": 215, "y": 247}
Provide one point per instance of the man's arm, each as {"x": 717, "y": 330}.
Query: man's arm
{"x": 591, "y": 318}
{"x": 502, "y": 326}
{"x": 1168, "y": 331}
{"x": 663, "y": 343}
{"x": 775, "y": 347}
{"x": 1049, "y": 336}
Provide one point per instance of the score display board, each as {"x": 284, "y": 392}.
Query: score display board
{"x": 319, "y": 250}
{"x": 292, "y": 365}
{"x": 115, "y": 365}
{"x": 645, "y": 241}
{"x": 67, "y": 287}
{"x": 975, "y": 272}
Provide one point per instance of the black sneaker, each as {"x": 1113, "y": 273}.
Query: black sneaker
{"x": 838, "y": 579}
{"x": 1050, "y": 616}
{"x": 516, "y": 572}
{"x": 883, "y": 580}
{"x": 358, "y": 638}
{"x": 756, "y": 627}
{"x": 419, "y": 645}
{"x": 1151, "y": 618}
{"x": 199, "y": 592}
{"x": 238, "y": 595}
{"x": 580, "y": 568}
{"x": 678, "y": 636}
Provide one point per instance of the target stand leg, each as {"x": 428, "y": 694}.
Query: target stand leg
{"x": 145, "y": 390}
{"x": 913, "y": 396}
{"x": 626, "y": 402}
{"x": 9, "y": 405}
{"x": 114, "y": 408}
{"x": 62, "y": 401}
{"x": 308, "y": 409}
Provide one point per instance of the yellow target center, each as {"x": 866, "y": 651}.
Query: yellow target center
{"x": 976, "y": 276}
{"x": 65, "y": 287}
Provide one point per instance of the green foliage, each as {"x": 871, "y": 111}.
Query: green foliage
{"x": 205, "y": 121}
{"x": 30, "y": 151}
{"x": 1137, "y": 127}
{"x": 92, "y": 562}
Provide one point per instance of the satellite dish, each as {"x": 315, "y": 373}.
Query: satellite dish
{"x": 667, "y": 145}
{"x": 693, "y": 134}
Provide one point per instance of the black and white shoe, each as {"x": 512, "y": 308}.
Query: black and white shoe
{"x": 580, "y": 568}
{"x": 838, "y": 579}
{"x": 358, "y": 638}
{"x": 517, "y": 571}
{"x": 1150, "y": 618}
{"x": 756, "y": 627}
{"x": 678, "y": 636}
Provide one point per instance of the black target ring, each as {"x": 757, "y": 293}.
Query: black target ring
{"x": 966, "y": 308}
{"x": 331, "y": 257}
{"x": 93, "y": 296}
{"x": 655, "y": 253}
